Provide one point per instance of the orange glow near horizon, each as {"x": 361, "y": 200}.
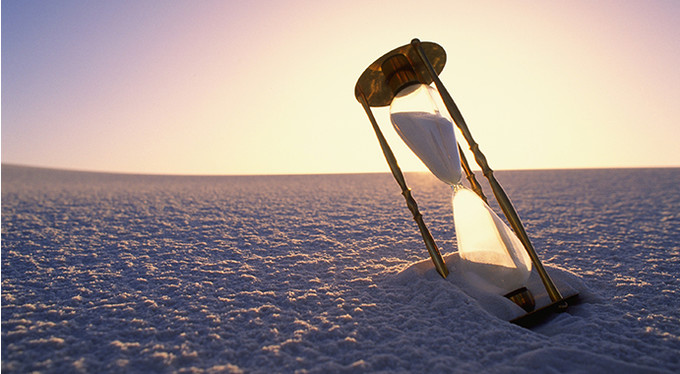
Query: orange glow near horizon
{"x": 267, "y": 88}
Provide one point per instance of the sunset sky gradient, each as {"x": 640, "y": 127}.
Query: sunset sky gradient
{"x": 266, "y": 87}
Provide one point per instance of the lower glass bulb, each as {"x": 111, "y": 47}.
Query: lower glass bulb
{"x": 492, "y": 257}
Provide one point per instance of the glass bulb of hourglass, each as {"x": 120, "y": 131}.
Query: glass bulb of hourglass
{"x": 492, "y": 257}
{"x": 417, "y": 119}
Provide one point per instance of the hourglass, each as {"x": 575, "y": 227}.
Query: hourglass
{"x": 493, "y": 256}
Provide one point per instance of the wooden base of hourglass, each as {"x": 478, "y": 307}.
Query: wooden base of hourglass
{"x": 540, "y": 315}
{"x": 523, "y": 297}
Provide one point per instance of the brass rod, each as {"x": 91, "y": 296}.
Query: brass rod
{"x": 471, "y": 175}
{"x": 406, "y": 192}
{"x": 499, "y": 193}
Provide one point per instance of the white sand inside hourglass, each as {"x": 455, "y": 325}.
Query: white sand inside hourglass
{"x": 431, "y": 138}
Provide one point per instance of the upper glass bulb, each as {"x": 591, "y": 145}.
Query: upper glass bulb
{"x": 416, "y": 117}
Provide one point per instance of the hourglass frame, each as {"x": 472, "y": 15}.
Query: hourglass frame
{"x": 427, "y": 60}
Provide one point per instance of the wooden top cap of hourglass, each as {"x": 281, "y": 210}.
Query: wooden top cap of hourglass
{"x": 389, "y": 73}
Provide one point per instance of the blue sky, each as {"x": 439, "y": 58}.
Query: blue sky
{"x": 266, "y": 87}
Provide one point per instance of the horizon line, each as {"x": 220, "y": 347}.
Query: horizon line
{"x": 123, "y": 173}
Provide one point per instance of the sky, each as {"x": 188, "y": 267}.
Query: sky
{"x": 267, "y": 87}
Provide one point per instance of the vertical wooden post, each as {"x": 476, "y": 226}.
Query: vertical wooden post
{"x": 410, "y": 201}
{"x": 471, "y": 175}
